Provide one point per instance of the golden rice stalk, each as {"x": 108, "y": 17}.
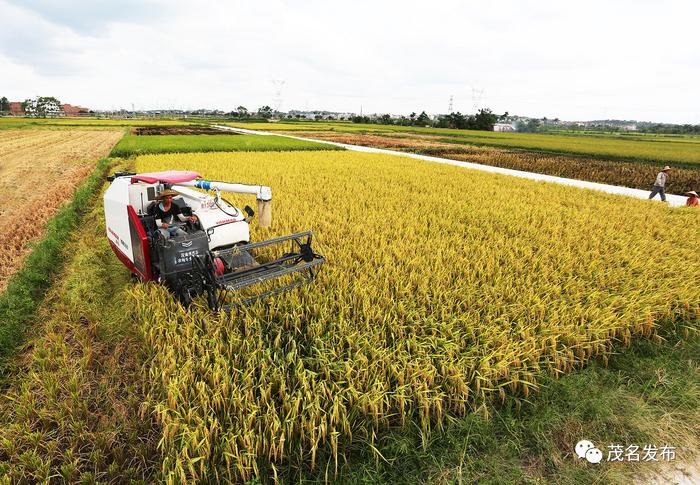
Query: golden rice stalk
{"x": 444, "y": 289}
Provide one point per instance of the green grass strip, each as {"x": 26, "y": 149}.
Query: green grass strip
{"x": 26, "y": 288}
{"x": 140, "y": 145}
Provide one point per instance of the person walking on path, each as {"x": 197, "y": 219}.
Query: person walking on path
{"x": 692, "y": 199}
{"x": 660, "y": 184}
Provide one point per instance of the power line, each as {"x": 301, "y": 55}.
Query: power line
{"x": 477, "y": 95}
{"x": 277, "y": 100}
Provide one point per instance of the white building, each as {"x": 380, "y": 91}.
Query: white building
{"x": 503, "y": 127}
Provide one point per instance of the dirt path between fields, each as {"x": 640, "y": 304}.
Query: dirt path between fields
{"x": 679, "y": 473}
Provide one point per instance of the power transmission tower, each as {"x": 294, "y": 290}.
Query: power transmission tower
{"x": 450, "y": 107}
{"x": 477, "y": 94}
{"x": 277, "y": 100}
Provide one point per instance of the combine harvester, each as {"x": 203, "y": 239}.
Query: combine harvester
{"x": 214, "y": 256}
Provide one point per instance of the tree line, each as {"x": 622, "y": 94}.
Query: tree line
{"x": 484, "y": 119}
{"x": 665, "y": 128}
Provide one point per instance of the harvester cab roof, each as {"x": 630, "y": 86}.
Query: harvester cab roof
{"x": 213, "y": 256}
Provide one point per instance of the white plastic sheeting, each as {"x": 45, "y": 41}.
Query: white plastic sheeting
{"x": 672, "y": 200}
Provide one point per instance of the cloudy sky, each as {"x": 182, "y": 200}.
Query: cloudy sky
{"x": 573, "y": 60}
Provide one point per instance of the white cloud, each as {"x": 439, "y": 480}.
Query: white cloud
{"x": 587, "y": 60}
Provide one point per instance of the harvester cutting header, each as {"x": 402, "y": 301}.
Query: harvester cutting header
{"x": 197, "y": 243}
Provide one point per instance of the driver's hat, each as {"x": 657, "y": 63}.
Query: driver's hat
{"x": 166, "y": 193}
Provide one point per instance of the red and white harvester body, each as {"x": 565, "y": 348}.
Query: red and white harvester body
{"x": 214, "y": 255}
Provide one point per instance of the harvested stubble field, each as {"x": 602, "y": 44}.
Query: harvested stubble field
{"x": 39, "y": 171}
{"x": 442, "y": 291}
{"x": 626, "y": 174}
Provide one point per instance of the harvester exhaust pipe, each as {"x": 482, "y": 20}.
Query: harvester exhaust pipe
{"x": 262, "y": 192}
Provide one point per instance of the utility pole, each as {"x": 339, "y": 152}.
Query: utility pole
{"x": 477, "y": 94}
{"x": 277, "y": 100}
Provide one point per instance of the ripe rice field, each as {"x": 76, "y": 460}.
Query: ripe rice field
{"x": 681, "y": 152}
{"x": 444, "y": 289}
{"x": 39, "y": 171}
{"x": 626, "y": 174}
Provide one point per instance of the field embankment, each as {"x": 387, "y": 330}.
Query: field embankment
{"x": 69, "y": 410}
{"x": 26, "y": 287}
{"x": 445, "y": 289}
{"x": 39, "y": 172}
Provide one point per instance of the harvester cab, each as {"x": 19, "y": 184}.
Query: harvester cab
{"x": 211, "y": 254}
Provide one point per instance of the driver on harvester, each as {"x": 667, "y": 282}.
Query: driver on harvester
{"x": 165, "y": 211}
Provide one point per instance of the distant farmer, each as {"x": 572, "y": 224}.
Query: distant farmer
{"x": 660, "y": 184}
{"x": 165, "y": 212}
{"x": 692, "y": 199}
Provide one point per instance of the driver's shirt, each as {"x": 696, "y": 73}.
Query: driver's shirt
{"x": 166, "y": 216}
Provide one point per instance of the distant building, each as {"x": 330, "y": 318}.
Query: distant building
{"x": 319, "y": 115}
{"x": 503, "y": 127}
{"x": 51, "y": 109}
{"x": 16, "y": 108}
{"x": 47, "y": 109}
{"x": 70, "y": 110}
{"x": 629, "y": 127}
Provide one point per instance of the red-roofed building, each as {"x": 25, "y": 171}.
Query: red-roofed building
{"x": 70, "y": 110}
{"x": 16, "y": 108}
{"x": 65, "y": 110}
